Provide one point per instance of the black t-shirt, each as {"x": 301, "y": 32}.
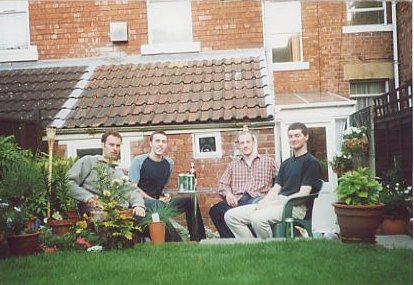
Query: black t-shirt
{"x": 154, "y": 176}
{"x": 297, "y": 171}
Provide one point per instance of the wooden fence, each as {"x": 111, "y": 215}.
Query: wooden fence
{"x": 390, "y": 131}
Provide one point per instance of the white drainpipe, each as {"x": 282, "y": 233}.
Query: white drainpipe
{"x": 395, "y": 44}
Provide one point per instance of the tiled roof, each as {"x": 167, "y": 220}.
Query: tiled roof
{"x": 32, "y": 94}
{"x": 181, "y": 92}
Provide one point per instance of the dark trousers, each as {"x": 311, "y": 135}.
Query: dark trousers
{"x": 195, "y": 225}
{"x": 218, "y": 210}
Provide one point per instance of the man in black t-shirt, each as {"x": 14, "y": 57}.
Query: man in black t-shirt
{"x": 152, "y": 172}
{"x": 298, "y": 175}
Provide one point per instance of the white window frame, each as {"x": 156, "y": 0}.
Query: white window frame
{"x": 169, "y": 47}
{"x": 27, "y": 53}
{"x": 196, "y": 145}
{"x": 384, "y": 27}
{"x": 283, "y": 66}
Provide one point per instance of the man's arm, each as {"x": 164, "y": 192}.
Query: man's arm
{"x": 76, "y": 176}
{"x": 225, "y": 190}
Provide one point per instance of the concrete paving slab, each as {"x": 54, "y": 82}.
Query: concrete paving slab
{"x": 395, "y": 241}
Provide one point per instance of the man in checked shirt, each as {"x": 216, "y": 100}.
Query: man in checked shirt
{"x": 246, "y": 178}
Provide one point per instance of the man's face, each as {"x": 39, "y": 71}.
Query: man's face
{"x": 159, "y": 144}
{"x": 246, "y": 144}
{"x": 296, "y": 139}
{"x": 112, "y": 147}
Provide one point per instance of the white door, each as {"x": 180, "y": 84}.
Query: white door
{"x": 322, "y": 144}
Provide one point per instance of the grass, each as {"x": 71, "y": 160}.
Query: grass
{"x": 291, "y": 262}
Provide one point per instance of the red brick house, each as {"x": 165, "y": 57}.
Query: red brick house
{"x": 201, "y": 73}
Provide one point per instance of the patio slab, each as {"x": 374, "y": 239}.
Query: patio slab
{"x": 395, "y": 241}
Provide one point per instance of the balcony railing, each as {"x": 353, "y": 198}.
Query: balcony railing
{"x": 397, "y": 101}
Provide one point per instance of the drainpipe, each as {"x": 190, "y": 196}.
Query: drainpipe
{"x": 395, "y": 44}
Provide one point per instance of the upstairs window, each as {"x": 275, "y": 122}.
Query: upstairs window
{"x": 366, "y": 13}
{"x": 14, "y": 32}
{"x": 14, "y": 23}
{"x": 169, "y": 31}
{"x": 364, "y": 91}
{"x": 284, "y": 33}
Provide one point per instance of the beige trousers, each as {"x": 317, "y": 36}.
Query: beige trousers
{"x": 238, "y": 219}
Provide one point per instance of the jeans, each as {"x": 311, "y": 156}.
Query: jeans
{"x": 218, "y": 210}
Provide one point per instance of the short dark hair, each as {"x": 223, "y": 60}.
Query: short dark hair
{"x": 110, "y": 133}
{"x": 156, "y": 133}
{"x": 299, "y": 126}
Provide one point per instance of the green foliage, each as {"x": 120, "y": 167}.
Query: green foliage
{"x": 10, "y": 152}
{"x": 396, "y": 194}
{"x": 359, "y": 187}
{"x": 165, "y": 213}
{"x": 60, "y": 198}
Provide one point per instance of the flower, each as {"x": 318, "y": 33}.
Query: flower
{"x": 355, "y": 141}
{"x": 354, "y": 149}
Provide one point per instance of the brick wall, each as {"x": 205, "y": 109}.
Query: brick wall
{"x": 209, "y": 171}
{"x": 221, "y": 25}
{"x": 73, "y": 29}
{"x": 327, "y": 49}
{"x": 405, "y": 51}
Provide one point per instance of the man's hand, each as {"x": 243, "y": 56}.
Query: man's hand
{"x": 231, "y": 200}
{"x": 93, "y": 202}
{"x": 165, "y": 199}
{"x": 138, "y": 211}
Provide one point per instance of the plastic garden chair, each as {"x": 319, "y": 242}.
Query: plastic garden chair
{"x": 280, "y": 229}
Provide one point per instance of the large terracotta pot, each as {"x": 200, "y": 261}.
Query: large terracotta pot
{"x": 61, "y": 227}
{"x": 23, "y": 244}
{"x": 358, "y": 223}
{"x": 394, "y": 225}
{"x": 157, "y": 232}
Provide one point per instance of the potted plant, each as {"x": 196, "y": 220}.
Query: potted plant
{"x": 398, "y": 200}
{"x": 157, "y": 218}
{"x": 21, "y": 185}
{"x": 358, "y": 208}
{"x": 62, "y": 206}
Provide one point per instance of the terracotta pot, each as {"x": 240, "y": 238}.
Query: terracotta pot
{"x": 23, "y": 244}
{"x": 61, "y": 227}
{"x": 157, "y": 232}
{"x": 73, "y": 214}
{"x": 394, "y": 226}
{"x": 358, "y": 223}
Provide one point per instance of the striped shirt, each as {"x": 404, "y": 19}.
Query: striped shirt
{"x": 256, "y": 179}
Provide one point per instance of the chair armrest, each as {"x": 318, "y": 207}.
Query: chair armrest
{"x": 296, "y": 201}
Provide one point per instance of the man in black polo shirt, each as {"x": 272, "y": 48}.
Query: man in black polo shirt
{"x": 152, "y": 172}
{"x": 298, "y": 175}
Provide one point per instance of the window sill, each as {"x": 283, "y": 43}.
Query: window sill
{"x": 366, "y": 28}
{"x": 12, "y": 55}
{"x": 170, "y": 48}
{"x": 287, "y": 66}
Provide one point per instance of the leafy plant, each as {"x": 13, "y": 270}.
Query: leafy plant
{"x": 164, "y": 212}
{"x": 115, "y": 228}
{"x": 10, "y": 152}
{"x": 358, "y": 187}
{"x": 396, "y": 194}
{"x": 60, "y": 198}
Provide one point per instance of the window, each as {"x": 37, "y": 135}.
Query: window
{"x": 284, "y": 34}
{"x": 366, "y": 16}
{"x": 88, "y": 151}
{"x": 364, "y": 91}
{"x": 366, "y": 13}
{"x": 169, "y": 32}
{"x": 14, "y": 32}
{"x": 207, "y": 145}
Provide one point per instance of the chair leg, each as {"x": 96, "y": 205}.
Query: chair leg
{"x": 279, "y": 230}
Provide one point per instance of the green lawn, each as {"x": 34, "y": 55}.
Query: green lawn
{"x": 287, "y": 262}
